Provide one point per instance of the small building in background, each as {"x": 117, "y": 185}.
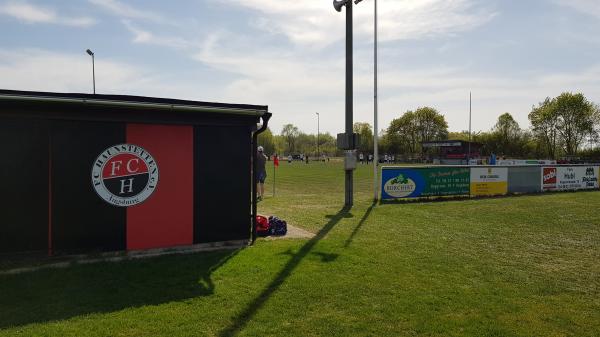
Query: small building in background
{"x": 451, "y": 152}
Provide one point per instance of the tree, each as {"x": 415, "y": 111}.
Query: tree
{"x": 266, "y": 140}
{"x": 290, "y": 133}
{"x": 462, "y": 135}
{"x": 508, "y": 136}
{"x": 544, "y": 121}
{"x": 365, "y": 133}
{"x": 406, "y": 133}
{"x": 575, "y": 120}
{"x": 564, "y": 122}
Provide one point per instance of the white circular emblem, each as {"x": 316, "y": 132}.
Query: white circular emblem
{"x": 125, "y": 175}
{"x": 400, "y": 187}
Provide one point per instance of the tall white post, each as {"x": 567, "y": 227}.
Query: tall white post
{"x": 375, "y": 126}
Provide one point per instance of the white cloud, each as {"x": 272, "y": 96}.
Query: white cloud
{"x": 34, "y": 69}
{"x": 146, "y": 37}
{"x": 123, "y": 10}
{"x": 316, "y": 22}
{"x": 295, "y": 85}
{"x": 31, "y": 14}
{"x": 589, "y": 7}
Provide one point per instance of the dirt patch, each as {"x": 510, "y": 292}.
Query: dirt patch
{"x": 293, "y": 232}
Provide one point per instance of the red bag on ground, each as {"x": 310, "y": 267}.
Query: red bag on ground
{"x": 263, "y": 228}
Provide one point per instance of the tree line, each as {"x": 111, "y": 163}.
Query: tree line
{"x": 560, "y": 127}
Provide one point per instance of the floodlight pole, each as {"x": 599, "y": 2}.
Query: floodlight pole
{"x": 318, "y": 154}
{"x": 375, "y": 112}
{"x": 469, "y": 157}
{"x": 91, "y": 53}
{"x": 349, "y": 98}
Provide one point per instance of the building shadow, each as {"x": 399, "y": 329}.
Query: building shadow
{"x": 58, "y": 294}
{"x": 242, "y": 319}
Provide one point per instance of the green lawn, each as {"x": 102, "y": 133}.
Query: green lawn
{"x": 518, "y": 266}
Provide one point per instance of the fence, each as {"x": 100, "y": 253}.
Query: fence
{"x": 432, "y": 181}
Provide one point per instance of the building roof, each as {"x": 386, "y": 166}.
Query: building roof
{"x": 136, "y": 102}
{"x": 448, "y": 143}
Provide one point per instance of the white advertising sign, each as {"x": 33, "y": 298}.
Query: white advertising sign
{"x": 563, "y": 178}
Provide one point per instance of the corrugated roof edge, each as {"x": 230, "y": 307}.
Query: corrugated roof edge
{"x": 134, "y": 101}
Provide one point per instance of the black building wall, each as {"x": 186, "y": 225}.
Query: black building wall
{"x": 81, "y": 220}
{"x": 23, "y": 185}
{"x": 222, "y": 160}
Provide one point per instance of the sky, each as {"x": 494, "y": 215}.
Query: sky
{"x": 290, "y": 55}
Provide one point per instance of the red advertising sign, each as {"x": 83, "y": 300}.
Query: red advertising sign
{"x": 549, "y": 178}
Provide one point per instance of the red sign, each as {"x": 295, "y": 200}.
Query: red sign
{"x": 549, "y": 177}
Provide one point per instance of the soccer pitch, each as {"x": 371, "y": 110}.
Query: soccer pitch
{"x": 511, "y": 266}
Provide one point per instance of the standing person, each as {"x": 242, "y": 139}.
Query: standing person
{"x": 261, "y": 172}
{"x": 361, "y": 158}
{"x": 289, "y": 158}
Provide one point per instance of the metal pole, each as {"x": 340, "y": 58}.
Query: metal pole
{"x": 469, "y": 157}
{"x": 274, "y": 175}
{"x": 375, "y": 133}
{"x": 318, "y": 153}
{"x": 94, "y": 73}
{"x": 349, "y": 98}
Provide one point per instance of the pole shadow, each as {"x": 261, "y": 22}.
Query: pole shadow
{"x": 57, "y": 294}
{"x": 242, "y": 319}
{"x": 360, "y": 224}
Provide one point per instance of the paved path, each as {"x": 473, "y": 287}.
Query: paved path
{"x": 293, "y": 233}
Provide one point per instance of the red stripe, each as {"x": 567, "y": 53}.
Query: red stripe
{"x": 165, "y": 219}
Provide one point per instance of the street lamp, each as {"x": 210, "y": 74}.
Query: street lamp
{"x": 318, "y": 154}
{"x": 91, "y": 53}
{"x": 349, "y": 136}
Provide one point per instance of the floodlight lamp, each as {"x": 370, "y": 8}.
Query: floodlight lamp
{"x": 91, "y": 53}
{"x": 339, "y": 4}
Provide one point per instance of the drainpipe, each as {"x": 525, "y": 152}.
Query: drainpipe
{"x": 265, "y": 123}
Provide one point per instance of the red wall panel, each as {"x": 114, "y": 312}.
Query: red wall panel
{"x": 166, "y": 218}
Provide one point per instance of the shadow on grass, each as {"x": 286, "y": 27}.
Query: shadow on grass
{"x": 359, "y": 225}
{"x": 421, "y": 200}
{"x": 57, "y": 294}
{"x": 242, "y": 319}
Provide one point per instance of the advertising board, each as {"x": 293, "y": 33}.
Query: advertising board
{"x": 489, "y": 180}
{"x": 424, "y": 182}
{"x": 563, "y": 178}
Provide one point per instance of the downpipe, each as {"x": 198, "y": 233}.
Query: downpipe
{"x": 265, "y": 124}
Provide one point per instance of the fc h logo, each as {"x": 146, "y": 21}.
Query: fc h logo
{"x": 125, "y": 175}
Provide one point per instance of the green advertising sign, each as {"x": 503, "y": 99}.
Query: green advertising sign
{"x": 446, "y": 181}
{"x": 423, "y": 182}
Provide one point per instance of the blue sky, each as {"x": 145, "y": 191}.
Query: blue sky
{"x": 290, "y": 54}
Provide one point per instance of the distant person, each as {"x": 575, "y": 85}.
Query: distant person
{"x": 493, "y": 159}
{"x": 306, "y": 157}
{"x": 261, "y": 172}
{"x": 361, "y": 158}
{"x": 289, "y": 158}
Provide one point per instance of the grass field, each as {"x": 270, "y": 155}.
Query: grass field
{"x": 518, "y": 266}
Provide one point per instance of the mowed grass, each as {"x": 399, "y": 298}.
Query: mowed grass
{"x": 515, "y": 266}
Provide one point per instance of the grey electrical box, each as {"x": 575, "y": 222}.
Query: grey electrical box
{"x": 350, "y": 160}
{"x": 347, "y": 141}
